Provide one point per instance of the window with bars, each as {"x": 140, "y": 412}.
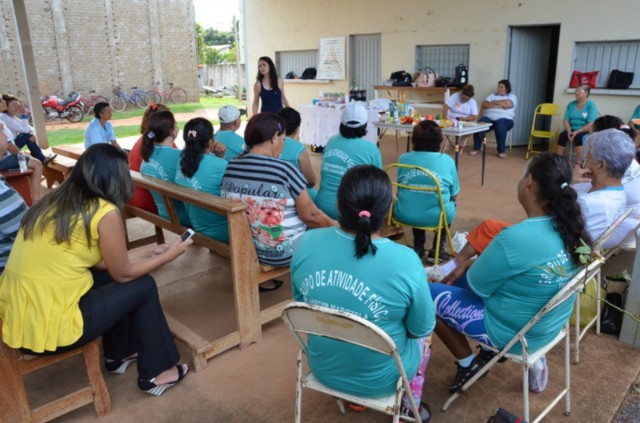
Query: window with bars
{"x": 605, "y": 56}
{"x": 295, "y": 61}
{"x": 442, "y": 58}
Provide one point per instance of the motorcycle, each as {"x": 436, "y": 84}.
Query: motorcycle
{"x": 70, "y": 108}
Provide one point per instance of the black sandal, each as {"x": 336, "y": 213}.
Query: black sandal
{"x": 276, "y": 284}
{"x": 119, "y": 366}
{"x": 150, "y": 387}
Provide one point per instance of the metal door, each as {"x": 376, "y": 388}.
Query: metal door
{"x": 532, "y": 58}
{"x": 365, "y": 62}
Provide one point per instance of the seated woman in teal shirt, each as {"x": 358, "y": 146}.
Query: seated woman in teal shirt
{"x": 294, "y": 151}
{"x": 521, "y": 269}
{"x": 422, "y": 208}
{"x": 634, "y": 122}
{"x": 160, "y": 159}
{"x": 344, "y": 151}
{"x": 577, "y": 122}
{"x": 372, "y": 277}
{"x": 200, "y": 169}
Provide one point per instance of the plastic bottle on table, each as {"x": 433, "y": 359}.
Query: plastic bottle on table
{"x": 22, "y": 161}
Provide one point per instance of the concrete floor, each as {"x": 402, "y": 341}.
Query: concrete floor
{"x": 257, "y": 384}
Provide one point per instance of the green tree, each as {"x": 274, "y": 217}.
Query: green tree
{"x": 214, "y": 37}
{"x": 201, "y": 45}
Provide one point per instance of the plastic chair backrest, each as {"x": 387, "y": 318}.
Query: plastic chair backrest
{"x": 548, "y": 109}
{"x": 428, "y": 173}
{"x": 323, "y": 321}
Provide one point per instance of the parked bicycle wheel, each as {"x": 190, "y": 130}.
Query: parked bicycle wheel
{"x": 117, "y": 103}
{"x": 75, "y": 114}
{"x": 86, "y": 109}
{"x": 142, "y": 100}
{"x": 154, "y": 97}
{"x": 178, "y": 96}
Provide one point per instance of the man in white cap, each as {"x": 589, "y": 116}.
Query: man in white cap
{"x": 344, "y": 151}
{"x": 229, "y": 117}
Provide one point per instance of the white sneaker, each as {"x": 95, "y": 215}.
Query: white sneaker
{"x": 434, "y": 273}
{"x": 474, "y": 152}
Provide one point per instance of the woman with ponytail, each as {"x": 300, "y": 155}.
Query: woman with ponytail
{"x": 201, "y": 167}
{"x": 353, "y": 268}
{"x": 518, "y": 272}
{"x": 160, "y": 159}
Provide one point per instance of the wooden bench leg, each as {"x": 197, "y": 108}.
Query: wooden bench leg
{"x": 101, "y": 399}
{"x": 14, "y": 406}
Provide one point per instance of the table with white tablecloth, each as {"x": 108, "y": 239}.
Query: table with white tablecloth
{"x": 321, "y": 123}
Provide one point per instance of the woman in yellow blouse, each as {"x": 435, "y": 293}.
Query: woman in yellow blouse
{"x": 84, "y": 284}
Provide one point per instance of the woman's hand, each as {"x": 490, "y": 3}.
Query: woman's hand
{"x": 177, "y": 248}
{"x": 581, "y": 175}
{"x": 457, "y": 273}
{"x": 219, "y": 149}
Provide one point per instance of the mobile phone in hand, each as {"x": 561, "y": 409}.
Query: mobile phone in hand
{"x": 187, "y": 235}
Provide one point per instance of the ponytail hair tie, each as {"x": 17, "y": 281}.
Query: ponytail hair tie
{"x": 192, "y": 133}
{"x": 563, "y": 185}
{"x": 151, "y": 135}
{"x": 364, "y": 213}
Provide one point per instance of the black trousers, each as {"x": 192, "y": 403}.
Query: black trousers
{"x": 419, "y": 238}
{"x": 129, "y": 318}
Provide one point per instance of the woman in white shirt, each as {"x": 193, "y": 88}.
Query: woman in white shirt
{"x": 498, "y": 109}
{"x": 462, "y": 107}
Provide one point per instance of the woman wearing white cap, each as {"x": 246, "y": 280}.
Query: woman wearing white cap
{"x": 344, "y": 151}
{"x": 229, "y": 117}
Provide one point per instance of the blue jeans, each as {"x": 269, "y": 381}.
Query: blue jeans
{"x": 500, "y": 127}
{"x": 24, "y": 139}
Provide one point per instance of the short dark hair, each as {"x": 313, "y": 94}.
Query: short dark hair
{"x": 506, "y": 84}
{"x": 358, "y": 132}
{"x": 468, "y": 90}
{"x": 292, "y": 119}
{"x": 262, "y": 127}
{"x": 364, "y": 200}
{"x": 99, "y": 107}
{"x": 426, "y": 136}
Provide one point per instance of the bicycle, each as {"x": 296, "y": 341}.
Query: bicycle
{"x": 88, "y": 102}
{"x": 176, "y": 95}
{"x": 139, "y": 97}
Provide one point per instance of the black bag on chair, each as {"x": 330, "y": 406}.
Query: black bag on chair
{"x": 619, "y": 80}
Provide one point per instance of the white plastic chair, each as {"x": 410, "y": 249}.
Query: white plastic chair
{"x": 528, "y": 358}
{"x": 303, "y": 318}
{"x": 597, "y": 277}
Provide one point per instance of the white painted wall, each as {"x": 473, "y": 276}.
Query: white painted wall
{"x": 298, "y": 25}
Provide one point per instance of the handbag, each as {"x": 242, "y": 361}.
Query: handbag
{"x": 432, "y": 76}
{"x": 401, "y": 79}
{"x": 444, "y": 81}
{"x": 583, "y": 78}
{"x": 619, "y": 80}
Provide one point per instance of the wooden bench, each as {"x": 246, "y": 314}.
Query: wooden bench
{"x": 14, "y": 403}
{"x": 20, "y": 182}
{"x": 246, "y": 272}
{"x": 58, "y": 170}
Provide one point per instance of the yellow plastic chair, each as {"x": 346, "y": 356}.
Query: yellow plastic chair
{"x": 544, "y": 110}
{"x": 435, "y": 187}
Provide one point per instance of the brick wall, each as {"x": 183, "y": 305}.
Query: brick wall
{"x": 101, "y": 44}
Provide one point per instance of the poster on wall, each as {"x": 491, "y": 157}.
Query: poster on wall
{"x": 332, "y": 58}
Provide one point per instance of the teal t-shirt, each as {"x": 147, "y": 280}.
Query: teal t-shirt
{"x": 422, "y": 208}
{"x": 636, "y": 115}
{"x": 388, "y": 288}
{"x": 516, "y": 275}
{"x": 234, "y": 143}
{"x": 207, "y": 178}
{"x": 340, "y": 155}
{"x": 579, "y": 118}
{"x": 291, "y": 151}
{"x": 162, "y": 165}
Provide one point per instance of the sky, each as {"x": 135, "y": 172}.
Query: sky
{"x": 216, "y": 14}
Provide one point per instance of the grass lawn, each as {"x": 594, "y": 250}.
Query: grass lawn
{"x": 75, "y": 136}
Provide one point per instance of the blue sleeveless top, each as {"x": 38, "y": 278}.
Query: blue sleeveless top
{"x": 271, "y": 99}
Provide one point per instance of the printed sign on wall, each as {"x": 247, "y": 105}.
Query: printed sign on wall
{"x": 332, "y": 58}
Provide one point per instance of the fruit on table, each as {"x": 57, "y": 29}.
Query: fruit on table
{"x": 445, "y": 123}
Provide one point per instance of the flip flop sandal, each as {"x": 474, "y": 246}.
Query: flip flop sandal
{"x": 150, "y": 387}
{"x": 119, "y": 366}
{"x": 276, "y": 284}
